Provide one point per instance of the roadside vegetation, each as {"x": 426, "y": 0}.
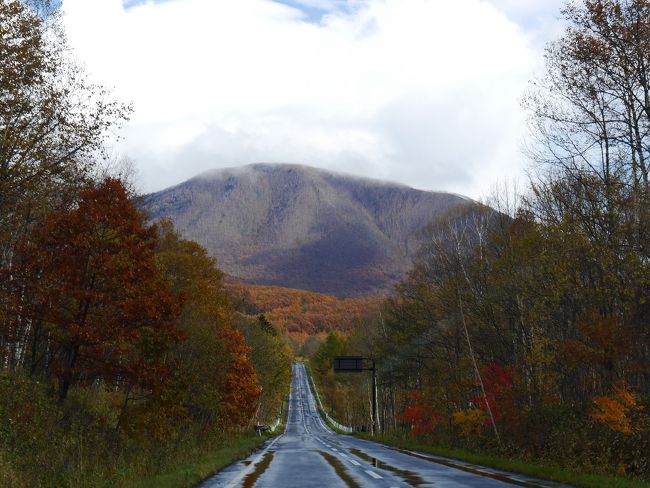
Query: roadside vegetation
{"x": 121, "y": 357}
{"x": 202, "y": 464}
{"x": 512, "y": 465}
{"x": 522, "y": 331}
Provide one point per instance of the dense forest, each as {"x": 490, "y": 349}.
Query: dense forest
{"x": 523, "y": 327}
{"x": 304, "y": 317}
{"x": 120, "y": 354}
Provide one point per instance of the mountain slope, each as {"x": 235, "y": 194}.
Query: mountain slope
{"x": 302, "y": 227}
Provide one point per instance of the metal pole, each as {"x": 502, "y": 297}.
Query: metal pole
{"x": 375, "y": 420}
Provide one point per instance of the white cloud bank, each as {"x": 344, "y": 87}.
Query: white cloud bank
{"x": 424, "y": 92}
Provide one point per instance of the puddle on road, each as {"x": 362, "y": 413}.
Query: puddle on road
{"x": 340, "y": 469}
{"x": 260, "y": 467}
{"x": 409, "y": 476}
{"x": 468, "y": 469}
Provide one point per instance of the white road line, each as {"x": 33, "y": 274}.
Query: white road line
{"x": 334, "y": 449}
{"x": 373, "y": 474}
{"x": 343, "y": 455}
{"x": 354, "y": 462}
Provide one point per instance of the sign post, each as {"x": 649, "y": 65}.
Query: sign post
{"x": 354, "y": 364}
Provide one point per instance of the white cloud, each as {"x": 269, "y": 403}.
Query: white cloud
{"x": 425, "y": 92}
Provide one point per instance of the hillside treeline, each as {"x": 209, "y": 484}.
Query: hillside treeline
{"x": 301, "y": 315}
{"x": 523, "y": 327}
{"x": 119, "y": 353}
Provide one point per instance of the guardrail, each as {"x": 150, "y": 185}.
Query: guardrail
{"x": 341, "y": 427}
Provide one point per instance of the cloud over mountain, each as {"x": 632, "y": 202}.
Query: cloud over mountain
{"x": 422, "y": 92}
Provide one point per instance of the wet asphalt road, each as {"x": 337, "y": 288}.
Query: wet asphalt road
{"x": 310, "y": 454}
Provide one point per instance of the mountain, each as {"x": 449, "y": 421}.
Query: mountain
{"x": 302, "y": 227}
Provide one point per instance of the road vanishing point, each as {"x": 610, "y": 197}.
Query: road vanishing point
{"x": 310, "y": 454}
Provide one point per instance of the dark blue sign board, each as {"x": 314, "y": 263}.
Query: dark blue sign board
{"x": 348, "y": 364}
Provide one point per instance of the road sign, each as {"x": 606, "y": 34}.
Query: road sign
{"x": 354, "y": 364}
{"x": 348, "y": 364}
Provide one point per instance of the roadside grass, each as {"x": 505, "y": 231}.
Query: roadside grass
{"x": 537, "y": 470}
{"x": 188, "y": 475}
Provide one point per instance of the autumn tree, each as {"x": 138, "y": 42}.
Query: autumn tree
{"x": 216, "y": 381}
{"x": 53, "y": 121}
{"x": 272, "y": 357}
{"x": 591, "y": 111}
{"x": 94, "y": 306}
{"x": 238, "y": 385}
{"x": 53, "y": 125}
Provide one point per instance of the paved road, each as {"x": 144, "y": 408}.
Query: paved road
{"x": 310, "y": 454}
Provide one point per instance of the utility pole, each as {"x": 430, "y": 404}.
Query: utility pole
{"x": 375, "y": 408}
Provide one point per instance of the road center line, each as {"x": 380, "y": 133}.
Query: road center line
{"x": 373, "y": 474}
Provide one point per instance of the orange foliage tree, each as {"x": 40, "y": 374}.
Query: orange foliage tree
{"x": 601, "y": 350}
{"x": 239, "y": 386}
{"x": 616, "y": 411}
{"x": 300, "y": 313}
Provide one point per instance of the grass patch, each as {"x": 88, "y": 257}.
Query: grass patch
{"x": 542, "y": 471}
{"x": 191, "y": 474}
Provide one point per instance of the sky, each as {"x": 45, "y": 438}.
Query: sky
{"x": 422, "y": 92}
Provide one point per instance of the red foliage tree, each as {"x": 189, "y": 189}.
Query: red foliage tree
{"x": 99, "y": 307}
{"x": 419, "y": 414}
{"x": 498, "y": 381}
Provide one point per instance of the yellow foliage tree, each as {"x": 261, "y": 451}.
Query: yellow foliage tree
{"x": 470, "y": 421}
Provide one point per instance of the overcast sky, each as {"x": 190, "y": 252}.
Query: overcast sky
{"x": 423, "y": 92}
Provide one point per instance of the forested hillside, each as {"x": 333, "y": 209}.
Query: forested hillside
{"x": 300, "y": 227}
{"x": 526, "y": 333}
{"x": 301, "y": 314}
{"x": 119, "y": 356}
